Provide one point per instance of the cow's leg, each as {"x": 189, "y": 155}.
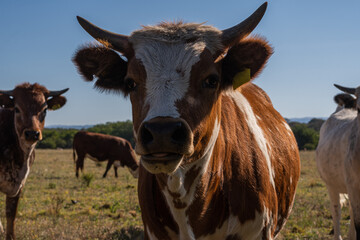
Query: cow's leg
{"x": 335, "y": 211}
{"x": 1, "y": 228}
{"x": 108, "y": 166}
{"x": 354, "y": 196}
{"x": 79, "y": 163}
{"x": 357, "y": 227}
{"x": 356, "y": 213}
{"x": 115, "y": 170}
{"x": 11, "y": 209}
{"x": 352, "y": 225}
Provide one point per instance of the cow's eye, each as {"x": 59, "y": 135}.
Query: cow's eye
{"x": 211, "y": 81}
{"x": 42, "y": 115}
{"x": 16, "y": 110}
{"x": 130, "y": 84}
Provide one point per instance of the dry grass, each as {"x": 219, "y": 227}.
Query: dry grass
{"x": 311, "y": 216}
{"x": 56, "y": 205}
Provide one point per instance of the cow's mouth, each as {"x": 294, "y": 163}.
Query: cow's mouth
{"x": 162, "y": 157}
{"x": 161, "y": 162}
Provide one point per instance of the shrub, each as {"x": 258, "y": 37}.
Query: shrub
{"x": 87, "y": 179}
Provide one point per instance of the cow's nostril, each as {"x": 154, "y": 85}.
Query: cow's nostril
{"x": 180, "y": 134}
{"x": 146, "y": 136}
{"x": 36, "y": 135}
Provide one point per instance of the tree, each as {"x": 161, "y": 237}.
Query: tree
{"x": 306, "y": 138}
{"x": 315, "y": 124}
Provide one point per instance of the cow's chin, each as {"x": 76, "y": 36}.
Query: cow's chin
{"x": 27, "y": 145}
{"x": 161, "y": 162}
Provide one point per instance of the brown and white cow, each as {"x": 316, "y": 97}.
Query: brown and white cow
{"x": 102, "y": 147}
{"x": 216, "y": 163}
{"x": 22, "y": 119}
{"x": 338, "y": 159}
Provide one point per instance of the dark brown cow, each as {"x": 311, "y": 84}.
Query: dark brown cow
{"x": 101, "y": 147}
{"x": 22, "y": 119}
{"x": 216, "y": 163}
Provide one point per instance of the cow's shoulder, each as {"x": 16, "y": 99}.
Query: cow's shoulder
{"x": 339, "y": 122}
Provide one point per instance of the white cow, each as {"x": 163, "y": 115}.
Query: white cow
{"x": 338, "y": 158}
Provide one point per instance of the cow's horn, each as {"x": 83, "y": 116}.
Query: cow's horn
{"x": 57, "y": 93}
{"x": 346, "y": 89}
{"x": 10, "y": 93}
{"x": 233, "y": 35}
{"x": 118, "y": 42}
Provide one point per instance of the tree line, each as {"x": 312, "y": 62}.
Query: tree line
{"x": 63, "y": 138}
{"x": 306, "y": 134}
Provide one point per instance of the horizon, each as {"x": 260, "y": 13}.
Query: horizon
{"x": 76, "y": 126}
{"x": 315, "y": 45}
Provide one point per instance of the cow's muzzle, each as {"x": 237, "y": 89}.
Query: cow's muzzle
{"x": 32, "y": 136}
{"x": 162, "y": 143}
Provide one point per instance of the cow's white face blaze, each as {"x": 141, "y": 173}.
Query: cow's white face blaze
{"x": 167, "y": 69}
{"x": 172, "y": 77}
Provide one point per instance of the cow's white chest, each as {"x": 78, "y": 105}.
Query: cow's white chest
{"x": 12, "y": 180}
{"x": 251, "y": 229}
{"x": 175, "y": 184}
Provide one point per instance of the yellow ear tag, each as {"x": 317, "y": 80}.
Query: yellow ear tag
{"x": 241, "y": 78}
{"x": 55, "y": 107}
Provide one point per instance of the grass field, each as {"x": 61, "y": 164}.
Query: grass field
{"x": 56, "y": 205}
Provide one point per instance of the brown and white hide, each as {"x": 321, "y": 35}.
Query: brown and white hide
{"x": 216, "y": 163}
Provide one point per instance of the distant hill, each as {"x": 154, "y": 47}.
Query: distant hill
{"x": 78, "y": 127}
{"x": 304, "y": 119}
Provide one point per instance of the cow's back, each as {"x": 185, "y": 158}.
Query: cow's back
{"x": 100, "y": 146}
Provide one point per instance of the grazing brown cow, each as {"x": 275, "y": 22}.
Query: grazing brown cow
{"x": 102, "y": 147}
{"x": 22, "y": 118}
{"x": 216, "y": 163}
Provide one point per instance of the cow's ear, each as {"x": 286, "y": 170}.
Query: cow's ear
{"x": 6, "y": 101}
{"x": 56, "y": 102}
{"x": 105, "y": 65}
{"x": 250, "y": 55}
{"x": 345, "y": 100}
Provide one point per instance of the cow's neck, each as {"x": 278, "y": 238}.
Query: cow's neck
{"x": 180, "y": 183}
{"x": 16, "y": 161}
{"x": 182, "y": 187}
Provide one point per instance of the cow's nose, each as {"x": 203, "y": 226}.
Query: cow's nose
{"x": 32, "y": 135}
{"x": 174, "y": 132}
{"x": 165, "y": 135}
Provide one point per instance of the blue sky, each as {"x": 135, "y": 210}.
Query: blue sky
{"x": 316, "y": 44}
